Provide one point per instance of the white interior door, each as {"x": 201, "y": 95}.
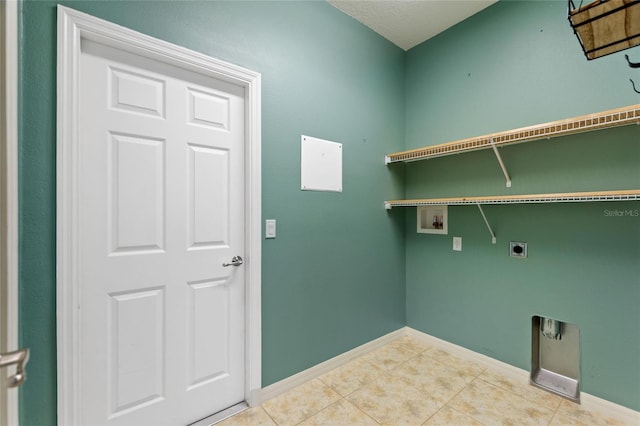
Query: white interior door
{"x": 161, "y": 210}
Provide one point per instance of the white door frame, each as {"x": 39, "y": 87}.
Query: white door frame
{"x": 74, "y": 26}
{"x": 8, "y": 200}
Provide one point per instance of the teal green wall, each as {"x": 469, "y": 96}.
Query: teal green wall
{"x": 333, "y": 279}
{"x": 335, "y": 276}
{"x": 517, "y": 64}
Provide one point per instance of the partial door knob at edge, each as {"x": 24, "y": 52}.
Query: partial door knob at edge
{"x": 19, "y": 359}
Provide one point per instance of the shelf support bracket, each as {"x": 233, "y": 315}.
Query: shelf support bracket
{"x": 504, "y": 169}
{"x": 493, "y": 236}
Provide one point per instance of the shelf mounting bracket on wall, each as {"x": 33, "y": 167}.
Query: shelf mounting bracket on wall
{"x": 499, "y": 157}
{"x": 486, "y": 222}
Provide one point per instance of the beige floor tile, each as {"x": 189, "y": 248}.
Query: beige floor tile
{"x": 391, "y": 401}
{"x": 251, "y": 417}
{"x": 461, "y": 364}
{"x": 407, "y": 382}
{"x": 560, "y": 420}
{"x": 575, "y": 411}
{"x": 300, "y": 403}
{"x": 341, "y": 413}
{"x": 436, "y": 379}
{"x": 522, "y": 388}
{"x": 396, "y": 352}
{"x": 492, "y": 405}
{"x": 412, "y": 345}
{"x": 433, "y": 365}
{"x": 351, "y": 376}
{"x": 447, "y": 416}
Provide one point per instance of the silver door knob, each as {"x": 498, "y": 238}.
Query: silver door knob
{"x": 236, "y": 261}
{"x": 20, "y": 359}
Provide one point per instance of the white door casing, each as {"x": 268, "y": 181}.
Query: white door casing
{"x": 8, "y": 201}
{"x": 136, "y": 265}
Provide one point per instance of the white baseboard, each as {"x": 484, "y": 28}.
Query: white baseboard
{"x": 318, "y": 370}
{"x": 587, "y": 401}
{"x": 599, "y": 405}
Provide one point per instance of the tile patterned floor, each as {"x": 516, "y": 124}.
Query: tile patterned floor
{"x": 408, "y": 382}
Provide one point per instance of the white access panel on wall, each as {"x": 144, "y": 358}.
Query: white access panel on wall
{"x": 321, "y": 165}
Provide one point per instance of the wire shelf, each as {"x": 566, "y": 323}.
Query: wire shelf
{"x": 568, "y": 197}
{"x": 602, "y": 120}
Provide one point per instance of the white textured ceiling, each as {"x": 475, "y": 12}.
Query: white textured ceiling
{"x": 408, "y": 23}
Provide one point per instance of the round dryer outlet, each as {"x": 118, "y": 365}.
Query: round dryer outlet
{"x": 517, "y": 249}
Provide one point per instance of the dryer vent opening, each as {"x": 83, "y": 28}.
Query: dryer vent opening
{"x": 555, "y": 357}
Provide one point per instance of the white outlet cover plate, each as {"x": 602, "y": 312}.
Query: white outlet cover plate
{"x": 457, "y": 243}
{"x": 270, "y": 228}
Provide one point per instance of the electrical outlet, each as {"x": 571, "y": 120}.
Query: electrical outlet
{"x": 457, "y": 243}
{"x": 517, "y": 249}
